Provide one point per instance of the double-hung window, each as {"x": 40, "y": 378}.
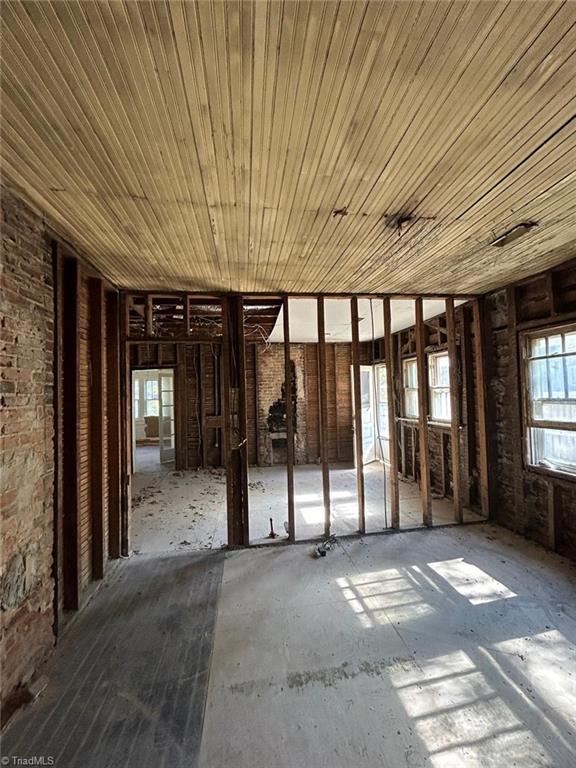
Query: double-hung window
{"x": 151, "y": 397}
{"x": 550, "y": 398}
{"x": 410, "y": 377}
{"x": 439, "y": 385}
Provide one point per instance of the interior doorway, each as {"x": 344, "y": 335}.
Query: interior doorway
{"x": 153, "y": 423}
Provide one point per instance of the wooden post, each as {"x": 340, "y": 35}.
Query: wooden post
{"x": 391, "y": 377}
{"x": 149, "y": 318}
{"x": 180, "y": 397}
{"x": 469, "y": 412}
{"x": 289, "y": 419}
{"x": 57, "y": 540}
{"x": 454, "y": 410}
{"x": 481, "y": 404}
{"x": 113, "y": 417}
{"x": 126, "y": 421}
{"x": 71, "y": 453}
{"x": 323, "y": 410}
{"x": 235, "y": 425}
{"x": 357, "y": 395}
{"x": 200, "y": 383}
{"x": 425, "y": 494}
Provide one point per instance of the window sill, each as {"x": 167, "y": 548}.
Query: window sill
{"x": 552, "y": 473}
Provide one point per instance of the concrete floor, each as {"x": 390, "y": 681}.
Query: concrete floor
{"x": 452, "y": 648}
{"x": 187, "y": 510}
{"x": 447, "y": 648}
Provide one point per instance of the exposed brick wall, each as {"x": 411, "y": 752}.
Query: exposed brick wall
{"x": 270, "y": 377}
{"x": 26, "y": 391}
{"x": 522, "y": 496}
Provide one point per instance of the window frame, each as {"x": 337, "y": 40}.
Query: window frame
{"x": 405, "y": 389}
{"x": 151, "y": 380}
{"x": 528, "y": 422}
{"x": 429, "y": 368}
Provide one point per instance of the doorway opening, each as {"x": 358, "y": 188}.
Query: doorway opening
{"x": 153, "y": 424}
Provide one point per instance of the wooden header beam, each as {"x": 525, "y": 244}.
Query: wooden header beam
{"x": 280, "y": 296}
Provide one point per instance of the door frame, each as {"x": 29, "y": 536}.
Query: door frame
{"x": 130, "y": 423}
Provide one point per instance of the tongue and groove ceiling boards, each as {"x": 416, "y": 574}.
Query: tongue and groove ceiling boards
{"x": 295, "y": 146}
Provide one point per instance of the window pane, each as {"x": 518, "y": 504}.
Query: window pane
{"x": 555, "y": 345}
{"x": 538, "y": 379}
{"x": 538, "y": 347}
{"x": 556, "y": 376}
{"x": 443, "y": 371}
{"x": 410, "y": 374}
{"x": 152, "y": 408}
{"x": 151, "y": 390}
{"x": 440, "y": 404}
{"x": 554, "y": 448}
{"x": 382, "y": 384}
{"x": 570, "y": 363}
{"x": 570, "y": 342}
{"x": 552, "y": 410}
{"x": 411, "y": 403}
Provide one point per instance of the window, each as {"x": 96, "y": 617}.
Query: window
{"x": 410, "y": 376}
{"x": 550, "y": 387}
{"x": 151, "y": 397}
{"x": 439, "y": 384}
{"x": 382, "y": 412}
{"x": 136, "y": 399}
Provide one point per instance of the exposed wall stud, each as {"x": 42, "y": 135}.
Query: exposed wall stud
{"x": 126, "y": 420}
{"x": 454, "y": 410}
{"x": 289, "y": 419}
{"x": 425, "y": 493}
{"x": 113, "y": 417}
{"x": 71, "y": 454}
{"x": 323, "y": 413}
{"x": 391, "y": 377}
{"x": 481, "y": 404}
{"x": 97, "y": 393}
{"x": 357, "y": 406}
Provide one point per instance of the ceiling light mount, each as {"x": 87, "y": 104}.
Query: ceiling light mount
{"x": 513, "y": 234}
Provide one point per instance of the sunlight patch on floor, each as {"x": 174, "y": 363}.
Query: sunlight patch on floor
{"x": 462, "y": 721}
{"x": 382, "y": 597}
{"x": 471, "y": 582}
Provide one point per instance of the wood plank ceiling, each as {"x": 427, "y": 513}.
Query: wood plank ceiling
{"x": 296, "y": 146}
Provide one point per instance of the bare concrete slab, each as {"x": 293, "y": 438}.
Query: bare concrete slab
{"x": 448, "y": 648}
